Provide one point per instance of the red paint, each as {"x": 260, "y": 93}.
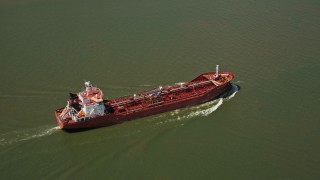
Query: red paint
{"x": 200, "y": 90}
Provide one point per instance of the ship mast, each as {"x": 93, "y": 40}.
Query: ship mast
{"x": 217, "y": 71}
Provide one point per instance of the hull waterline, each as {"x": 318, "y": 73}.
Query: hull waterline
{"x": 137, "y": 108}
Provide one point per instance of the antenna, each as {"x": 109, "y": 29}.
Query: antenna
{"x": 217, "y": 71}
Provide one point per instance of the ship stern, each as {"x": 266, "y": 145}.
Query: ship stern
{"x": 59, "y": 121}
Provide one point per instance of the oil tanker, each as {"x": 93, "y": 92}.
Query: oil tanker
{"x": 88, "y": 109}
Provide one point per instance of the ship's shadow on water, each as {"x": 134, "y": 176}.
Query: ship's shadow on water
{"x": 80, "y": 130}
{"x": 213, "y": 105}
{"x": 235, "y": 88}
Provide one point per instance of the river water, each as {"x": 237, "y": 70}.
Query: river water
{"x": 267, "y": 129}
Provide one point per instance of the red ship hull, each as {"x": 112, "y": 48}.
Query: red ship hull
{"x": 109, "y": 119}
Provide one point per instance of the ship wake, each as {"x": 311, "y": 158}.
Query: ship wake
{"x": 201, "y": 110}
{"x": 25, "y": 135}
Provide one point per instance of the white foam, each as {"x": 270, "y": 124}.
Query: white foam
{"x": 201, "y": 110}
{"x": 42, "y": 133}
{"x": 25, "y": 135}
{"x": 207, "y": 111}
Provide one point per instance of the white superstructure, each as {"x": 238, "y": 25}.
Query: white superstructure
{"x": 84, "y": 105}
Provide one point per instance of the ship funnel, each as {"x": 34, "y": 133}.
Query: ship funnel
{"x": 217, "y": 71}
{"x": 88, "y": 86}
